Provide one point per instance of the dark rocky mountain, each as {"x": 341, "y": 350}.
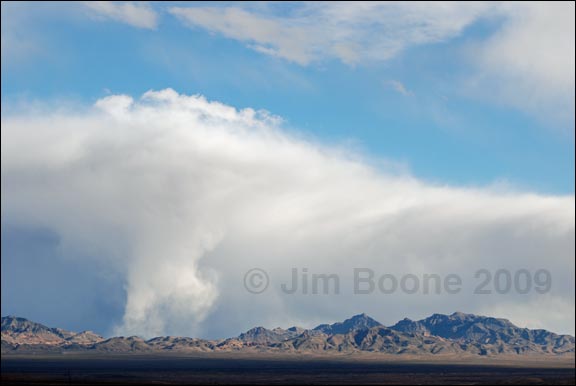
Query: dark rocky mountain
{"x": 458, "y": 334}
{"x": 120, "y": 344}
{"x": 181, "y": 344}
{"x": 355, "y": 323}
{"x": 375, "y": 339}
{"x": 487, "y": 335}
{"x": 261, "y": 335}
{"x": 456, "y": 326}
{"x": 17, "y": 331}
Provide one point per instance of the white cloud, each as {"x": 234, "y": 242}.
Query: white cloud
{"x": 136, "y": 14}
{"x": 183, "y": 196}
{"x": 399, "y": 87}
{"x": 529, "y": 62}
{"x": 352, "y": 32}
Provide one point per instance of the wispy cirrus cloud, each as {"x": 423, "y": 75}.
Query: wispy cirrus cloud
{"x": 350, "y": 32}
{"x": 136, "y": 14}
{"x": 399, "y": 87}
{"x": 526, "y": 61}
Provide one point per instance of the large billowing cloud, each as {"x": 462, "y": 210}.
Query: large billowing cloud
{"x": 183, "y": 196}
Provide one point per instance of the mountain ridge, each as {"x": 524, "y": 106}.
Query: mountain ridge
{"x": 356, "y": 322}
{"x": 458, "y": 333}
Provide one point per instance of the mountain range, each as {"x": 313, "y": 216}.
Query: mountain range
{"x": 458, "y": 333}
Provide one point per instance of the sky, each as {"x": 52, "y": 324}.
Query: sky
{"x": 152, "y": 153}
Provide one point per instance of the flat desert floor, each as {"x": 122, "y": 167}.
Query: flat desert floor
{"x": 212, "y": 368}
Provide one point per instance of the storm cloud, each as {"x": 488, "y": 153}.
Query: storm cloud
{"x": 181, "y": 196}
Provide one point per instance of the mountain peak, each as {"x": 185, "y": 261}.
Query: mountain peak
{"x": 363, "y": 319}
{"x": 355, "y": 323}
{"x": 15, "y": 323}
{"x": 260, "y": 335}
{"x": 17, "y": 330}
{"x": 463, "y": 327}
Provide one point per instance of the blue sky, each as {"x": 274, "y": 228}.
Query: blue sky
{"x": 441, "y": 131}
{"x": 460, "y": 116}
